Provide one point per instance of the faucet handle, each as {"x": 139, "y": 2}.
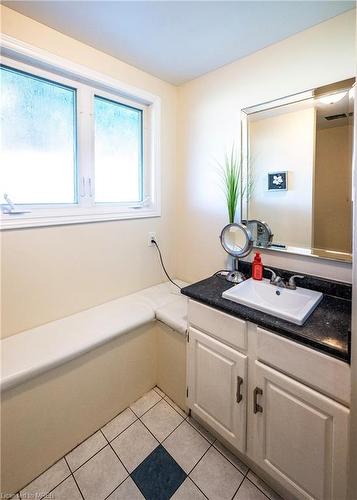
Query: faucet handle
{"x": 273, "y": 274}
{"x": 292, "y": 283}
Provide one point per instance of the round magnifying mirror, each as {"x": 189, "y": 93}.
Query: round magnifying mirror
{"x": 261, "y": 232}
{"x": 237, "y": 240}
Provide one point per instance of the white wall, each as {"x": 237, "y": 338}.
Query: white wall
{"x": 284, "y": 142}
{"x": 48, "y": 273}
{"x": 209, "y": 121}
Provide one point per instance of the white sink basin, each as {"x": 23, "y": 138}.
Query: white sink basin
{"x": 292, "y": 305}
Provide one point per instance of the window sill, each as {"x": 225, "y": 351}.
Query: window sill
{"x": 38, "y": 218}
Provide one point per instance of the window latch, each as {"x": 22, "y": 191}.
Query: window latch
{"x": 10, "y": 209}
{"x": 90, "y": 187}
{"x": 82, "y": 191}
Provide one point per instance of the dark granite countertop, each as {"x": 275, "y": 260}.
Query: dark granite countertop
{"x": 328, "y": 329}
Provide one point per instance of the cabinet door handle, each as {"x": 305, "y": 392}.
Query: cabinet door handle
{"x": 239, "y": 396}
{"x": 257, "y": 392}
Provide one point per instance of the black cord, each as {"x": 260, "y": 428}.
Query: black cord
{"x": 217, "y": 273}
{"x": 163, "y": 265}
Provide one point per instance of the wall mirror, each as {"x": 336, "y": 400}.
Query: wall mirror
{"x": 297, "y": 163}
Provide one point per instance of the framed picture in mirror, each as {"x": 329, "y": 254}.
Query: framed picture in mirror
{"x": 277, "y": 181}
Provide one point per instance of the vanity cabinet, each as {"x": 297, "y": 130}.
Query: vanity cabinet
{"x": 217, "y": 389}
{"x": 277, "y": 413}
{"x": 300, "y": 436}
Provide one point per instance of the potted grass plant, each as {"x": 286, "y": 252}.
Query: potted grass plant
{"x": 231, "y": 173}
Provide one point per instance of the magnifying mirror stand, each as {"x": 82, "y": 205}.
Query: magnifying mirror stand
{"x": 235, "y": 276}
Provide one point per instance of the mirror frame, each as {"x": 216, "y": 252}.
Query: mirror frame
{"x": 245, "y": 162}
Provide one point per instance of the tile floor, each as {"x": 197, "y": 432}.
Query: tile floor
{"x": 151, "y": 450}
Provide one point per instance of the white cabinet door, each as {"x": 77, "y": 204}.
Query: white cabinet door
{"x": 300, "y": 436}
{"x": 217, "y": 380}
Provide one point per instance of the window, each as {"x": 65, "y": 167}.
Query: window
{"x": 118, "y": 152}
{"x": 74, "y": 148}
{"x": 38, "y": 140}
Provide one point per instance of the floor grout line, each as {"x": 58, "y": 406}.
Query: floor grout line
{"x": 117, "y": 456}
{"x": 198, "y": 461}
{"x": 151, "y": 407}
{"x": 116, "y": 487}
{"x": 115, "y": 453}
{"x": 157, "y": 402}
{"x": 111, "y": 420}
{"x": 175, "y": 429}
{"x": 121, "y": 432}
{"x": 86, "y": 461}
{"x": 70, "y": 473}
{"x": 75, "y": 480}
{"x": 160, "y": 442}
{"x": 80, "y": 491}
{"x": 95, "y": 432}
{"x": 58, "y": 484}
{"x": 188, "y": 477}
{"x": 240, "y": 484}
{"x": 136, "y": 419}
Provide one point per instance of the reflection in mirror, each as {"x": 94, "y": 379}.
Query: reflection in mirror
{"x": 299, "y": 153}
{"x": 261, "y": 232}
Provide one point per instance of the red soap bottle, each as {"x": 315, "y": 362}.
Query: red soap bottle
{"x": 257, "y": 267}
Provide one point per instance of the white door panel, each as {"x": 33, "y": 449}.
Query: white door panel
{"x": 217, "y": 386}
{"x": 301, "y": 436}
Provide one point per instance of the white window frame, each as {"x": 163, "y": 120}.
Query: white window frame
{"x": 88, "y": 83}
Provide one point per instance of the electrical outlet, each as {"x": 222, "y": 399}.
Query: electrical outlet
{"x": 151, "y": 236}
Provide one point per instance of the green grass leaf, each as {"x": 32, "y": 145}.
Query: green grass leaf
{"x": 231, "y": 173}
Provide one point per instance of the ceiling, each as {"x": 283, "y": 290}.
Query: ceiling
{"x": 180, "y": 40}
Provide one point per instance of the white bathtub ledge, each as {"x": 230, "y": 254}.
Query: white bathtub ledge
{"x": 40, "y": 349}
{"x": 174, "y": 314}
{"x": 159, "y": 295}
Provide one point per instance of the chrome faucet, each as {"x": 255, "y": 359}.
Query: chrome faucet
{"x": 275, "y": 279}
{"x": 291, "y": 283}
{"x": 278, "y": 280}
